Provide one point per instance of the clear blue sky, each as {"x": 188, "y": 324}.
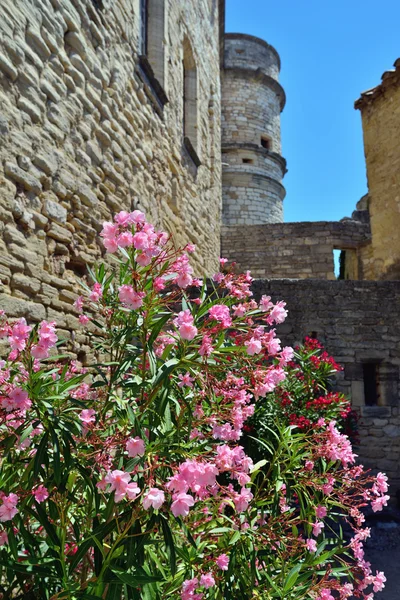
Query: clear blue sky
{"x": 331, "y": 51}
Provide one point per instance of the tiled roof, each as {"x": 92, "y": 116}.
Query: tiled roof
{"x": 389, "y": 78}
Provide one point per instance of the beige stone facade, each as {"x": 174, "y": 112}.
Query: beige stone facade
{"x": 95, "y": 119}
{"x": 380, "y": 111}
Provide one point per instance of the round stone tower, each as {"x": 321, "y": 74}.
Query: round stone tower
{"x": 252, "y": 101}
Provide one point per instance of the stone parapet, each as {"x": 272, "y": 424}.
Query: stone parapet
{"x": 294, "y": 250}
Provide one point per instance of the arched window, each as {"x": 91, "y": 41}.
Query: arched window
{"x": 190, "y": 117}
{"x": 152, "y": 36}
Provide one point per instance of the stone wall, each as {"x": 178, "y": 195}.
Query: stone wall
{"x": 294, "y": 250}
{"x": 380, "y": 109}
{"x": 357, "y": 321}
{"x": 83, "y": 134}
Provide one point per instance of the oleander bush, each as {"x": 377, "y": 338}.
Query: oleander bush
{"x": 127, "y": 479}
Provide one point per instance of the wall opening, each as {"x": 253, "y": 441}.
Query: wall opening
{"x": 189, "y": 95}
{"x": 371, "y": 383}
{"x": 336, "y": 263}
{"x": 266, "y": 142}
{"x": 247, "y": 161}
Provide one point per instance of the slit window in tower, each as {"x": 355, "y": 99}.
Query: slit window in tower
{"x": 247, "y": 161}
{"x": 265, "y": 142}
{"x": 371, "y": 383}
{"x": 144, "y": 21}
{"x": 190, "y": 107}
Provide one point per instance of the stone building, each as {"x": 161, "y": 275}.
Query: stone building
{"x": 104, "y": 105}
{"x": 116, "y": 104}
{"x": 380, "y": 112}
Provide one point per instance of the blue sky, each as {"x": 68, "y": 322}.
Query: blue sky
{"x": 331, "y": 51}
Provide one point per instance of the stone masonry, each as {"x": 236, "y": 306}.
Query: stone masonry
{"x": 86, "y": 130}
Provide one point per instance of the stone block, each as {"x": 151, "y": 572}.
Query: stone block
{"x": 55, "y": 211}
{"x": 16, "y": 307}
{"x": 20, "y": 176}
{"x": 59, "y": 233}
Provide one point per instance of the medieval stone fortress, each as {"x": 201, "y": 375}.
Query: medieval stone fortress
{"x": 121, "y": 104}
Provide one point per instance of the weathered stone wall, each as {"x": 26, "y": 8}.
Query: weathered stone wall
{"x": 82, "y": 135}
{"x": 380, "y": 109}
{"x": 252, "y": 100}
{"x": 358, "y": 323}
{"x": 294, "y": 250}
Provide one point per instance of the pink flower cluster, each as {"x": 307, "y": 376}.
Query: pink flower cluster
{"x": 338, "y": 446}
{"x": 130, "y": 230}
{"x": 120, "y": 483}
{"x": 185, "y": 324}
{"x": 130, "y": 297}
{"x": 47, "y": 339}
{"x": 8, "y": 508}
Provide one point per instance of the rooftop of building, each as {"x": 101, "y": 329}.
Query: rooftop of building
{"x": 389, "y": 79}
{"x": 256, "y": 40}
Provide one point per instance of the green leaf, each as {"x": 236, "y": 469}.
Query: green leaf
{"x": 136, "y": 579}
{"x": 169, "y": 542}
{"x": 292, "y": 577}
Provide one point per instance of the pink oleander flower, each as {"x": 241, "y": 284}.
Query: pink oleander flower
{"x": 78, "y": 304}
{"x": 220, "y": 313}
{"x": 311, "y": 545}
{"x": 265, "y": 303}
{"x": 222, "y": 562}
{"x": 378, "y": 504}
{"x": 159, "y": 284}
{"x": 381, "y": 483}
{"x": 87, "y": 416}
{"x": 207, "y": 580}
{"x": 181, "y": 504}
{"x": 125, "y": 239}
{"x": 185, "y": 380}
{"x": 3, "y": 538}
{"x": 141, "y": 241}
{"x": 121, "y": 484}
{"x": 190, "y": 248}
{"x": 19, "y": 335}
{"x": 135, "y": 447}
{"x": 96, "y": 293}
{"x": 41, "y": 494}
{"x": 130, "y": 297}
{"x": 8, "y": 509}
{"x": 278, "y": 314}
{"x": 17, "y": 400}
{"x": 325, "y": 594}
{"x": 317, "y": 528}
{"x": 154, "y": 498}
{"x": 206, "y": 348}
{"x": 189, "y": 587}
{"x": 253, "y": 346}
{"x": 83, "y": 319}
{"x": 242, "y": 500}
{"x": 143, "y": 259}
{"x": 185, "y": 325}
{"x": 321, "y": 512}
{"x": 379, "y": 581}
{"x": 309, "y": 465}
